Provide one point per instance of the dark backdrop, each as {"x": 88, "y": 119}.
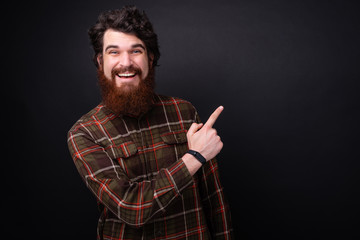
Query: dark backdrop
{"x": 287, "y": 73}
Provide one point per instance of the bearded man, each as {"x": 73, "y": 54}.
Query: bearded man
{"x": 146, "y": 157}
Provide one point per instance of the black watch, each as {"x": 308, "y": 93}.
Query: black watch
{"x": 198, "y": 156}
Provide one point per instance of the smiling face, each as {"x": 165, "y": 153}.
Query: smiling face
{"x": 124, "y": 59}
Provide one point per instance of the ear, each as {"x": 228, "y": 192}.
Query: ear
{"x": 99, "y": 60}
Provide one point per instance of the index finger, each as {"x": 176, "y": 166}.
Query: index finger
{"x": 213, "y": 117}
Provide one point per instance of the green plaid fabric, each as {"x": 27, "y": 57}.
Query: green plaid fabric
{"x": 134, "y": 168}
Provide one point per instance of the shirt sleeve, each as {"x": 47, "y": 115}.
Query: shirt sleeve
{"x": 134, "y": 203}
{"x": 214, "y": 201}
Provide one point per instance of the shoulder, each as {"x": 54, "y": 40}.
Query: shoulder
{"x": 90, "y": 119}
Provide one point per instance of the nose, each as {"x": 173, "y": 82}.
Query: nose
{"x": 125, "y": 59}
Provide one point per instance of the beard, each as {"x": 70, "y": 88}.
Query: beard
{"x": 128, "y": 99}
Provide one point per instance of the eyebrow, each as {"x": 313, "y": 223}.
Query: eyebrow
{"x": 138, "y": 45}
{"x": 132, "y": 46}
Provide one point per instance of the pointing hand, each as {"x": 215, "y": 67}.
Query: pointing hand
{"x": 203, "y": 138}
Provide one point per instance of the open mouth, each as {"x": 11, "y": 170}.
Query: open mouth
{"x": 126, "y": 75}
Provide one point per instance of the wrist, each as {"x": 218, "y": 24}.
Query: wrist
{"x": 191, "y": 163}
{"x": 198, "y": 156}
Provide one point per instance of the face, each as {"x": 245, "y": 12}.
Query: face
{"x": 124, "y": 59}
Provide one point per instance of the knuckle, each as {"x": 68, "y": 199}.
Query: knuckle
{"x": 214, "y": 132}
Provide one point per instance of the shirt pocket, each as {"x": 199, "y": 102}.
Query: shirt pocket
{"x": 121, "y": 150}
{"x": 126, "y": 155}
{"x": 177, "y": 137}
{"x": 174, "y": 147}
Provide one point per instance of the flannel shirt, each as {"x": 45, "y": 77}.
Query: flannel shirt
{"x": 134, "y": 168}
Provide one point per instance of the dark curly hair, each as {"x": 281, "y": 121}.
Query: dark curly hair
{"x": 129, "y": 19}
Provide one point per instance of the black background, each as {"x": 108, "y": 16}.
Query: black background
{"x": 287, "y": 73}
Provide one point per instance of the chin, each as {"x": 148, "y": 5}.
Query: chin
{"x": 127, "y": 86}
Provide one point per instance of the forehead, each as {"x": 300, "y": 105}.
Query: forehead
{"x": 120, "y": 39}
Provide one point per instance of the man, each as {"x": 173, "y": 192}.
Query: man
{"x": 146, "y": 157}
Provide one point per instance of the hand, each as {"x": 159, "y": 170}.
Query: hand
{"x": 205, "y": 141}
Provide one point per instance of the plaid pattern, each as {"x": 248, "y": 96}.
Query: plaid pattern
{"x": 134, "y": 168}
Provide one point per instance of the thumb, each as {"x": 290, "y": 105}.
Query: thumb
{"x": 194, "y": 128}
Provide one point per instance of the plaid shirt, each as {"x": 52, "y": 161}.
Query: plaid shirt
{"x": 134, "y": 168}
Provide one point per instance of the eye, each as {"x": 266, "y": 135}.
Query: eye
{"x": 136, "y": 51}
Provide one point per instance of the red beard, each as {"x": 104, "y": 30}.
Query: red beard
{"x": 128, "y": 100}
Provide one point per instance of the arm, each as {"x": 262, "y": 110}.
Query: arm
{"x": 208, "y": 143}
{"x": 133, "y": 203}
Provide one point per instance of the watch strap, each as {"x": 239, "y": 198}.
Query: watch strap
{"x": 198, "y": 156}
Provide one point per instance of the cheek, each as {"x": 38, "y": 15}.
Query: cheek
{"x": 145, "y": 69}
{"x": 108, "y": 66}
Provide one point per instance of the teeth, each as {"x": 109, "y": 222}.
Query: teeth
{"x": 126, "y": 74}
